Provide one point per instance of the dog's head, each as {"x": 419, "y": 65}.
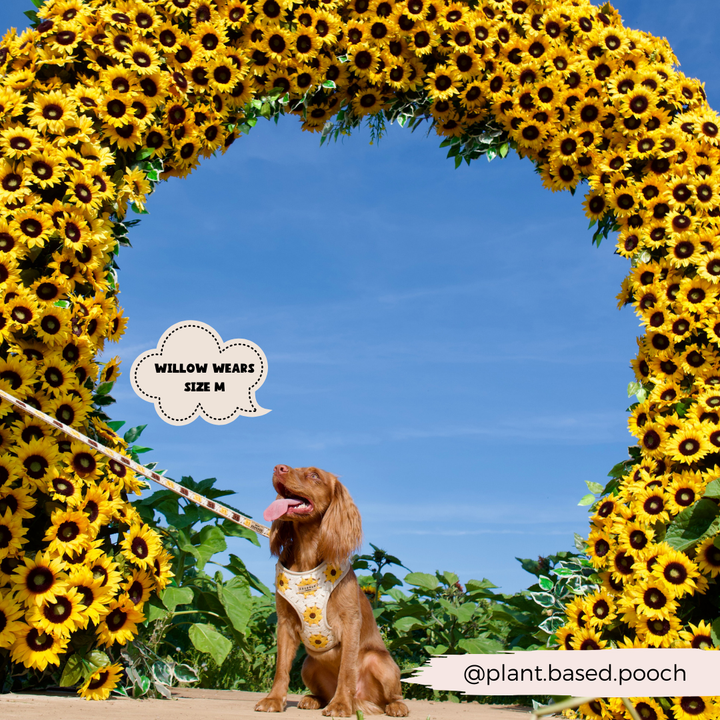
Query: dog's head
{"x": 310, "y": 496}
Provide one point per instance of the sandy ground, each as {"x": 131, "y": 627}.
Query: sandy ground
{"x": 197, "y": 704}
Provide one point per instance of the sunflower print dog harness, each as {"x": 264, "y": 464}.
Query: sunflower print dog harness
{"x": 309, "y": 592}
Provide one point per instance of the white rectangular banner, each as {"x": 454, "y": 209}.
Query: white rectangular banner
{"x": 633, "y": 672}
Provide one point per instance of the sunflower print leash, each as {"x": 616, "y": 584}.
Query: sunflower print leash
{"x": 178, "y": 489}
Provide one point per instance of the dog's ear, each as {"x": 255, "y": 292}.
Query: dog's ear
{"x": 281, "y": 537}
{"x": 341, "y": 528}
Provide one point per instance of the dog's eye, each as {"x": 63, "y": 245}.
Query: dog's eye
{"x": 314, "y": 476}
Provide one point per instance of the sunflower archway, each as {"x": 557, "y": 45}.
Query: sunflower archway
{"x": 102, "y": 99}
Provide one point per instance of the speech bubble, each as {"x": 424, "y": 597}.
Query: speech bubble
{"x": 192, "y": 373}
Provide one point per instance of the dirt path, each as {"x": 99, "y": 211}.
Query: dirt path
{"x": 197, "y": 704}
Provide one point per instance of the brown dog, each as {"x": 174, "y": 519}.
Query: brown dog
{"x": 315, "y": 528}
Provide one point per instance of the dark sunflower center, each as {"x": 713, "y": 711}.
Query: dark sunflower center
{"x": 68, "y": 531}
{"x": 38, "y": 641}
{"x": 40, "y": 580}
{"x": 99, "y": 681}
{"x": 654, "y": 599}
{"x": 116, "y": 619}
{"x": 35, "y": 466}
{"x": 675, "y": 573}
{"x": 139, "y": 548}
{"x": 83, "y": 463}
{"x": 59, "y": 611}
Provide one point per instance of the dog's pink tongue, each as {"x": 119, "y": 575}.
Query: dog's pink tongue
{"x": 279, "y": 507}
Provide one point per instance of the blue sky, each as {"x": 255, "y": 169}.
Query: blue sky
{"x": 446, "y": 341}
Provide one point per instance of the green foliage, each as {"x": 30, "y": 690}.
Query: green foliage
{"x": 198, "y": 615}
{"x": 219, "y": 629}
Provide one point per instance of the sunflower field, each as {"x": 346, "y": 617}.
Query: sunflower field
{"x": 100, "y": 100}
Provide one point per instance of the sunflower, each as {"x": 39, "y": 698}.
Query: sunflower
{"x": 39, "y": 580}
{"x": 139, "y": 587}
{"x": 699, "y": 636}
{"x": 35, "y": 649}
{"x": 101, "y": 683}
{"x": 93, "y": 597}
{"x": 68, "y": 532}
{"x": 658, "y": 631}
{"x": 676, "y": 569}
{"x": 83, "y": 461}
{"x": 37, "y": 460}
{"x": 694, "y": 708}
{"x": 119, "y": 625}
{"x": 59, "y": 617}
{"x": 653, "y": 598}
{"x": 19, "y": 141}
{"x": 162, "y": 570}
{"x": 599, "y": 608}
{"x": 12, "y": 534}
{"x": 141, "y": 545}
{"x": 52, "y": 112}
{"x": 10, "y": 622}
{"x": 65, "y": 488}
{"x": 587, "y": 638}
{"x": 18, "y": 500}
{"x": 682, "y": 492}
{"x": 443, "y": 83}
{"x": 104, "y": 569}
{"x": 22, "y": 312}
{"x": 649, "y": 506}
{"x": 689, "y": 444}
{"x": 707, "y": 557}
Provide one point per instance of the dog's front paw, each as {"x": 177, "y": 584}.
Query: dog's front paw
{"x": 397, "y": 709}
{"x": 310, "y": 702}
{"x": 269, "y": 704}
{"x": 338, "y": 708}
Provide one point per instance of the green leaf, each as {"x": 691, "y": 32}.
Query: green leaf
{"x": 422, "y": 580}
{"x": 546, "y": 583}
{"x": 236, "y": 599}
{"x": 133, "y": 433}
{"x": 504, "y": 150}
{"x": 465, "y": 612}
{"x": 450, "y": 578}
{"x": 32, "y": 15}
{"x": 73, "y": 671}
{"x": 207, "y": 639}
{"x": 715, "y": 632}
{"x": 438, "y": 650}
{"x": 185, "y": 674}
{"x": 154, "y": 611}
{"x": 115, "y": 425}
{"x": 38, "y": 3}
{"x": 104, "y": 388}
{"x": 97, "y": 659}
{"x": 594, "y": 487}
{"x": 588, "y": 499}
{"x": 212, "y": 540}
{"x": 139, "y": 449}
{"x": 232, "y": 529}
{"x": 693, "y": 525}
{"x": 406, "y": 624}
{"x": 480, "y": 646}
{"x": 713, "y": 489}
{"x": 580, "y": 543}
{"x": 173, "y": 596}
{"x": 543, "y": 599}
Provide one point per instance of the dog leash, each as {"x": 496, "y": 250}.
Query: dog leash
{"x": 214, "y": 507}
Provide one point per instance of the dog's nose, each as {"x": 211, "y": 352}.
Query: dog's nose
{"x": 281, "y": 469}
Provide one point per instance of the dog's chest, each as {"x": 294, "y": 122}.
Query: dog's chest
{"x": 309, "y": 593}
